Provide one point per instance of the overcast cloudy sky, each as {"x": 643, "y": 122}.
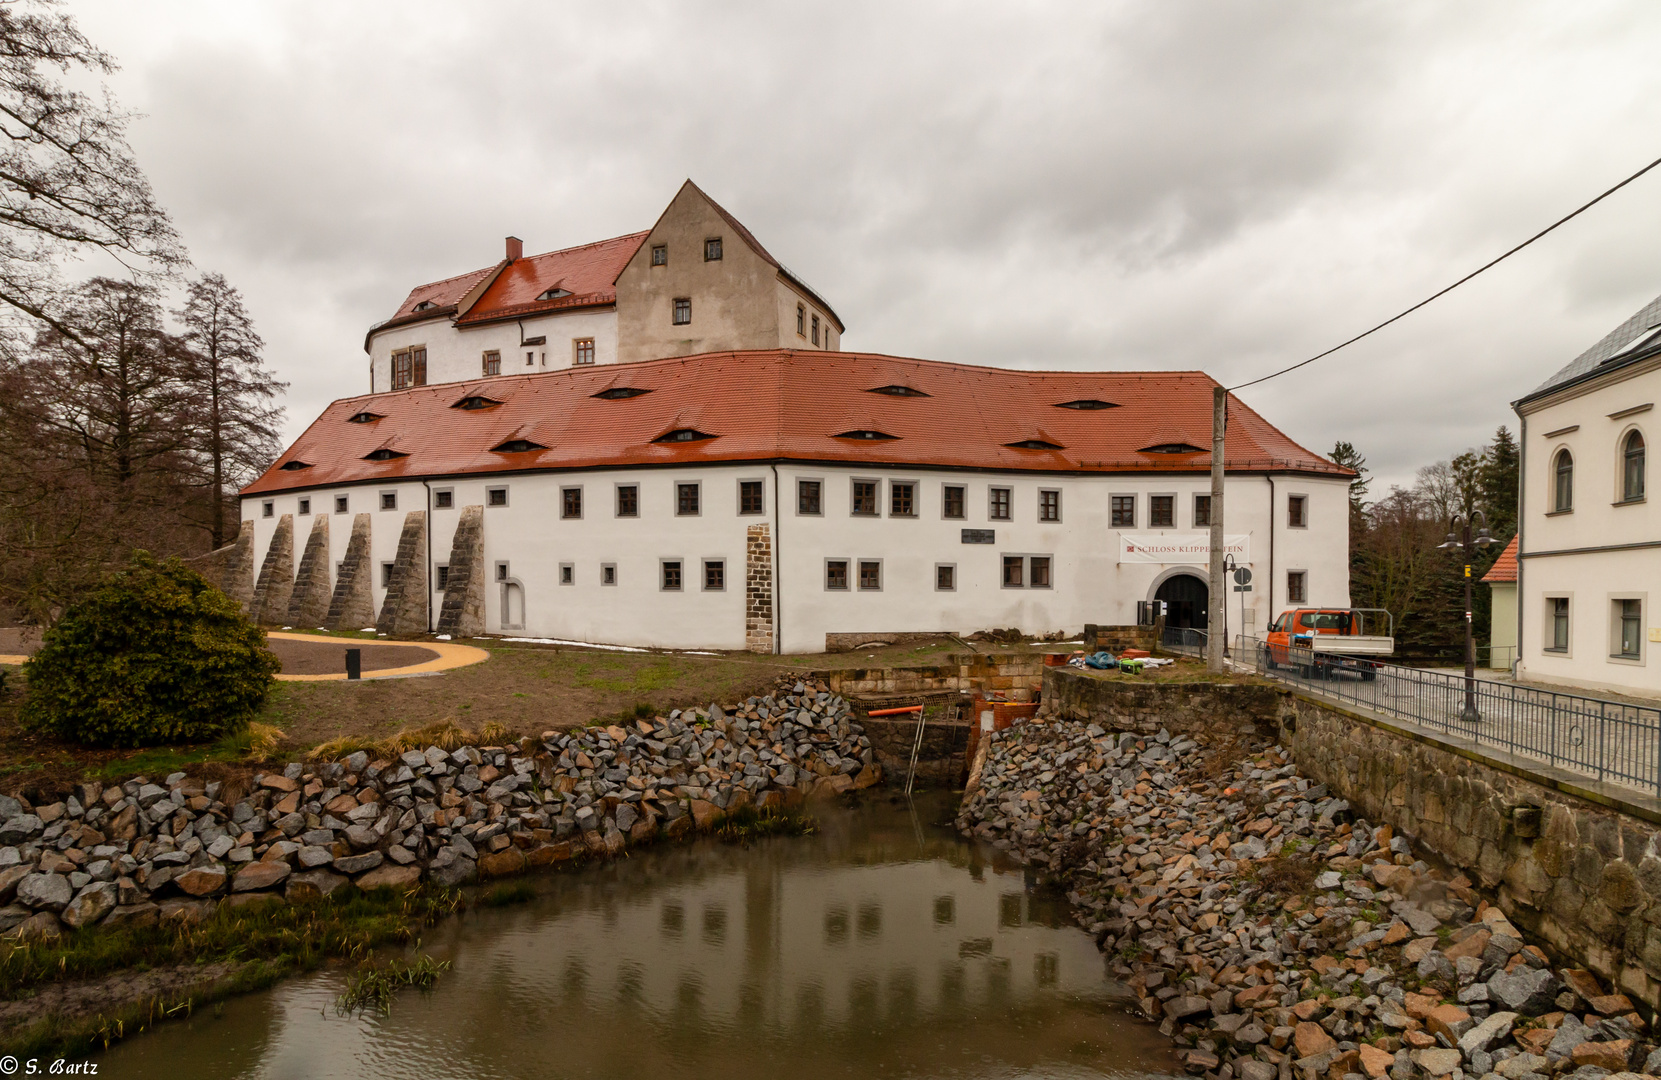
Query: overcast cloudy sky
{"x": 1226, "y": 186}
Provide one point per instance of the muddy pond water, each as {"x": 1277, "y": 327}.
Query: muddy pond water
{"x": 881, "y": 946}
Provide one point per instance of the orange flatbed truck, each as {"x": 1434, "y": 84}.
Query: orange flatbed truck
{"x": 1321, "y": 641}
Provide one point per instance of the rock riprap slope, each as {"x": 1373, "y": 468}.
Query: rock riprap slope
{"x": 139, "y": 851}
{"x": 1272, "y": 934}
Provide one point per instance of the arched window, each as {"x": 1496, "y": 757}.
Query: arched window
{"x": 1563, "y": 482}
{"x": 1632, "y": 467}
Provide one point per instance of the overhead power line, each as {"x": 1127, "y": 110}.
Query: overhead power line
{"x": 1485, "y": 266}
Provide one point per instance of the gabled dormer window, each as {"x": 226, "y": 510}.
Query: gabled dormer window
{"x": 1086, "y": 404}
{"x": 517, "y": 446}
{"x": 385, "y": 453}
{"x": 684, "y": 434}
{"x": 294, "y": 466}
{"x": 474, "y": 402}
{"x": 618, "y": 393}
{"x": 1033, "y": 444}
{"x": 866, "y": 434}
{"x": 554, "y": 294}
{"x": 896, "y": 390}
{"x": 363, "y": 418}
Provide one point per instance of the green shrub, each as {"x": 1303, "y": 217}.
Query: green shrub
{"x": 155, "y": 655}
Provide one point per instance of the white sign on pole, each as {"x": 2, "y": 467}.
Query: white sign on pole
{"x": 1140, "y": 547}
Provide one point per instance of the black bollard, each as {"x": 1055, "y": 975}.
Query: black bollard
{"x": 354, "y": 663}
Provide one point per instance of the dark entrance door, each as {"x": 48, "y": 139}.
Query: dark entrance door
{"x": 1185, "y": 601}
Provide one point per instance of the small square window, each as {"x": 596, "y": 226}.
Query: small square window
{"x": 1202, "y": 511}
{"x": 1039, "y": 578}
{"x": 953, "y": 501}
{"x": 865, "y": 497}
{"x": 343, "y": 504}
{"x": 1049, "y": 505}
{"x": 441, "y": 577}
{"x": 1297, "y": 512}
{"x": 571, "y": 502}
{"x": 715, "y": 575}
{"x": 305, "y": 507}
{"x": 660, "y": 254}
{"x": 750, "y": 500}
{"x": 836, "y": 574}
{"x": 998, "y": 506}
{"x": 567, "y": 573}
{"x": 1297, "y": 587}
{"x": 686, "y": 500}
{"x": 712, "y": 249}
{"x": 628, "y": 500}
{"x": 945, "y": 577}
{"x": 386, "y": 575}
{"x": 496, "y": 496}
{"x": 582, "y": 351}
{"x": 683, "y": 311}
{"x": 870, "y": 574}
{"x": 1162, "y": 511}
{"x": 671, "y": 575}
{"x": 1124, "y": 512}
{"x": 492, "y": 362}
{"x": 608, "y": 573}
{"x": 444, "y": 499}
{"x": 389, "y": 500}
{"x": 268, "y": 508}
{"x": 902, "y": 499}
{"x": 807, "y": 496}
{"x": 1014, "y": 572}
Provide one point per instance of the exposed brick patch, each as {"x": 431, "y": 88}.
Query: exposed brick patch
{"x": 352, "y": 606}
{"x": 758, "y": 589}
{"x": 404, "y": 611}
{"x": 462, "y": 613}
{"x": 276, "y": 581}
{"x": 309, "y": 605}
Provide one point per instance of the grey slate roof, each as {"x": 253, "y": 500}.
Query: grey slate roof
{"x": 1649, "y": 315}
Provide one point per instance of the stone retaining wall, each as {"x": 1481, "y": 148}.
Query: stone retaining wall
{"x": 1121, "y": 704}
{"x": 1575, "y": 864}
{"x": 942, "y": 760}
{"x": 1016, "y": 675}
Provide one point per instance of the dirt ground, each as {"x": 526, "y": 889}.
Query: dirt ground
{"x": 327, "y": 658}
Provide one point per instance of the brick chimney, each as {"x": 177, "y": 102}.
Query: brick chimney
{"x": 516, "y": 248}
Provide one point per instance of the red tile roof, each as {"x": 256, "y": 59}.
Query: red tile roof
{"x": 781, "y": 404}
{"x": 1505, "y": 567}
{"x": 589, "y": 273}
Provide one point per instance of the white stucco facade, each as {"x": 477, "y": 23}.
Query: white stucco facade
{"x": 528, "y": 542}
{"x": 456, "y": 353}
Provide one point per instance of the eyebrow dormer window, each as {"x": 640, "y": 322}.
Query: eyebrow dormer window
{"x": 384, "y": 454}
{"x": 517, "y": 446}
{"x": 618, "y": 393}
{"x": 1171, "y": 448}
{"x": 684, "y": 434}
{"x": 425, "y": 305}
{"x": 294, "y": 466}
{"x": 896, "y": 390}
{"x": 363, "y": 418}
{"x": 866, "y": 434}
{"x": 474, "y": 403}
{"x": 554, "y": 294}
{"x": 1033, "y": 444}
{"x": 1086, "y": 404}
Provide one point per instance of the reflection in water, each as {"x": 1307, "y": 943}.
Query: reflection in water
{"x": 859, "y": 951}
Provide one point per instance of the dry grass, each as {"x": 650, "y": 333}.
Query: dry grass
{"x": 445, "y": 735}
{"x": 1287, "y": 875}
{"x": 263, "y": 741}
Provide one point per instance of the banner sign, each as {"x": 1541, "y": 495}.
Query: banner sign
{"x": 1139, "y": 547}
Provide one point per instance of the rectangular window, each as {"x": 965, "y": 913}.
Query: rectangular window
{"x": 715, "y": 575}
{"x": 442, "y": 578}
{"x": 801, "y": 321}
{"x": 1014, "y": 567}
{"x": 836, "y": 574}
{"x": 1297, "y": 514}
{"x": 386, "y": 575}
{"x": 1202, "y": 511}
{"x": 807, "y": 497}
{"x": 409, "y": 368}
{"x": 1162, "y": 511}
{"x": 952, "y": 501}
{"x": 1040, "y": 576}
{"x": 1559, "y": 624}
{"x": 814, "y": 337}
{"x": 389, "y": 500}
{"x": 671, "y": 575}
{"x": 608, "y": 573}
{"x": 305, "y": 507}
{"x": 1629, "y": 614}
{"x": 501, "y": 571}
{"x": 530, "y": 358}
{"x": 628, "y": 500}
{"x": 492, "y": 362}
{"x": 686, "y": 500}
{"x": 998, "y": 506}
{"x": 567, "y": 573}
{"x": 660, "y": 254}
{"x": 750, "y": 498}
{"x": 683, "y": 310}
{"x": 496, "y": 496}
{"x": 870, "y": 574}
{"x": 1124, "y": 512}
{"x": 1297, "y": 587}
{"x": 712, "y": 249}
{"x": 571, "y": 502}
{"x": 444, "y": 499}
{"x": 268, "y": 509}
{"x": 902, "y": 499}
{"x": 865, "y": 497}
{"x": 1049, "y": 505}
{"x": 342, "y": 503}
{"x": 945, "y": 577}
{"x": 584, "y": 351}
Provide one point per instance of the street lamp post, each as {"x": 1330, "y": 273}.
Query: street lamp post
{"x": 1464, "y": 543}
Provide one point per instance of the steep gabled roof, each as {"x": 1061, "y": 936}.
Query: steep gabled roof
{"x": 1504, "y": 570}
{"x": 785, "y": 405}
{"x": 1612, "y": 350}
{"x": 586, "y": 273}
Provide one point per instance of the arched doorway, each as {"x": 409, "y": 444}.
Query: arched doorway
{"x": 1185, "y": 601}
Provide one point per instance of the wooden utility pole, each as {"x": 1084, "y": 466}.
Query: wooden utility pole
{"x": 1214, "y": 595}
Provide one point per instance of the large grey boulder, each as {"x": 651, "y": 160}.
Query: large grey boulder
{"x": 1530, "y": 991}
{"x": 90, "y": 905}
{"x": 50, "y": 892}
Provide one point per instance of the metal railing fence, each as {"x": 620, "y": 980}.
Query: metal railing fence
{"x": 1183, "y": 640}
{"x": 1610, "y": 741}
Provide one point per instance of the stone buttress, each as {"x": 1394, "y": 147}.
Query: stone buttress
{"x": 275, "y": 586}
{"x": 309, "y": 605}
{"x": 404, "y": 611}
{"x": 352, "y": 607}
{"x": 462, "y": 613}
